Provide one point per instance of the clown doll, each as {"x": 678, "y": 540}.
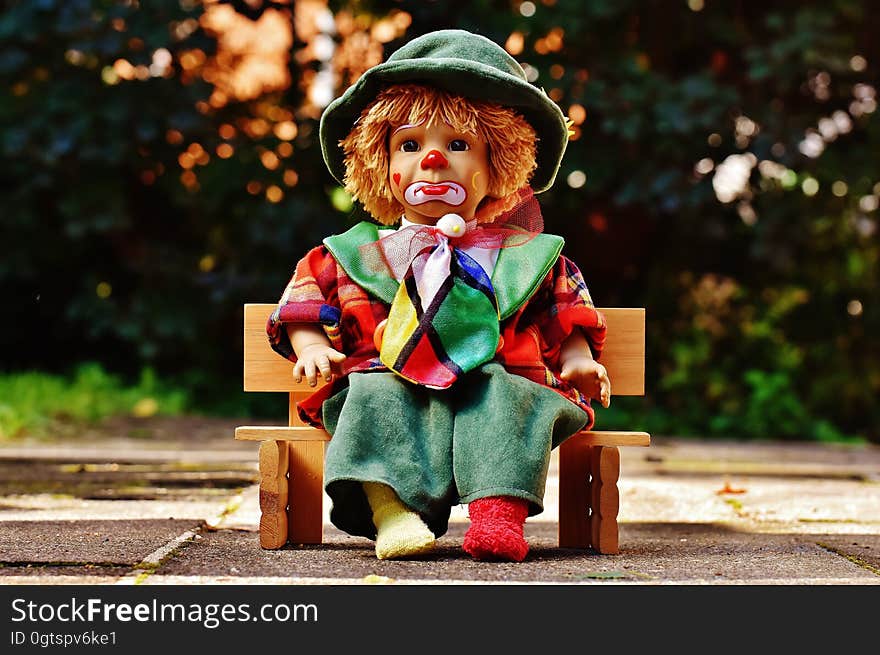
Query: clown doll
{"x": 459, "y": 346}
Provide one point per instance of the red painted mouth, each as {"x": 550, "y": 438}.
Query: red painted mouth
{"x": 434, "y": 189}
{"x": 452, "y": 193}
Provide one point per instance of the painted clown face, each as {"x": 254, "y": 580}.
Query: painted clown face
{"x": 437, "y": 170}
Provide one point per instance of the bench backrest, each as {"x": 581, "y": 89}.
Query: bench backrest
{"x": 624, "y": 355}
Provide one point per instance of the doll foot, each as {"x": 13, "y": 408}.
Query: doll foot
{"x": 400, "y": 532}
{"x": 496, "y": 531}
{"x": 403, "y": 535}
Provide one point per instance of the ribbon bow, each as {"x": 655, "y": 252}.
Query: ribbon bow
{"x": 517, "y": 220}
{"x": 444, "y": 318}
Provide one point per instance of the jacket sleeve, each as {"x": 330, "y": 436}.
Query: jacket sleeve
{"x": 563, "y": 304}
{"x": 312, "y": 297}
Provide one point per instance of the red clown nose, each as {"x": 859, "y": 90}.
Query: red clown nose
{"x": 434, "y": 159}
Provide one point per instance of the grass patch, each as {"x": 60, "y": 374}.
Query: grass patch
{"x": 142, "y": 577}
{"x": 613, "y": 575}
{"x": 735, "y": 504}
{"x": 32, "y": 403}
{"x": 603, "y": 575}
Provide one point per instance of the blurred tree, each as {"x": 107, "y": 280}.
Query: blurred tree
{"x": 146, "y": 181}
{"x": 159, "y": 166}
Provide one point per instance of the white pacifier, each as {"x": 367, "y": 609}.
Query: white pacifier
{"x": 452, "y": 226}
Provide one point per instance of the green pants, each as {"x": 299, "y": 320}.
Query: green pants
{"x": 490, "y": 434}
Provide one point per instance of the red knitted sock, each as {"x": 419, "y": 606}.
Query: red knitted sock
{"x": 496, "y": 530}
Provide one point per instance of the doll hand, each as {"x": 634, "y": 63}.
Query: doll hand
{"x": 318, "y": 358}
{"x": 589, "y": 377}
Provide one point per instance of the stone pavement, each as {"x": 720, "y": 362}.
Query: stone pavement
{"x": 177, "y": 504}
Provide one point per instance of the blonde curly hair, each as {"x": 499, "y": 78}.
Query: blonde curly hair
{"x": 511, "y": 139}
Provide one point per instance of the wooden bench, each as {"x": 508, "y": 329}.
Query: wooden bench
{"x": 292, "y": 456}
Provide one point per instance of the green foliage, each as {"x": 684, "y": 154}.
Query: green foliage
{"x": 763, "y": 306}
{"x": 106, "y": 254}
{"x": 34, "y": 402}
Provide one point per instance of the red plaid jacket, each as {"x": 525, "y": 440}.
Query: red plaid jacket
{"x": 322, "y": 292}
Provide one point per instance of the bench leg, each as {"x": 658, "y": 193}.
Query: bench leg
{"x": 604, "y": 499}
{"x": 574, "y": 494}
{"x": 305, "y": 516}
{"x": 273, "y": 494}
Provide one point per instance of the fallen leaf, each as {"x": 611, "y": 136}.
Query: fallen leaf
{"x": 727, "y": 489}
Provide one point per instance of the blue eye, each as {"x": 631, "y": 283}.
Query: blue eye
{"x": 458, "y": 145}
{"x": 409, "y": 146}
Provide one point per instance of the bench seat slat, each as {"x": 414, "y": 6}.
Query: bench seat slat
{"x": 281, "y": 433}
{"x": 624, "y": 356}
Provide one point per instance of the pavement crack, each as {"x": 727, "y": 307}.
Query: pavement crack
{"x": 152, "y": 562}
{"x": 232, "y": 505}
{"x": 858, "y": 561}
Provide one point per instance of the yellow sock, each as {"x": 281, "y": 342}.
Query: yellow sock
{"x": 399, "y": 531}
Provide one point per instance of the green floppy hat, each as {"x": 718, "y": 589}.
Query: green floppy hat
{"x": 461, "y": 63}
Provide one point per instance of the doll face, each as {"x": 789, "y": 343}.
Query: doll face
{"x": 437, "y": 170}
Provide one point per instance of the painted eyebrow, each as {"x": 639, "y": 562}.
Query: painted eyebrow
{"x": 405, "y": 127}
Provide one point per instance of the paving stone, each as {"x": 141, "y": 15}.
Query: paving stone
{"x": 651, "y": 553}
{"x": 84, "y": 542}
{"x": 692, "y": 513}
